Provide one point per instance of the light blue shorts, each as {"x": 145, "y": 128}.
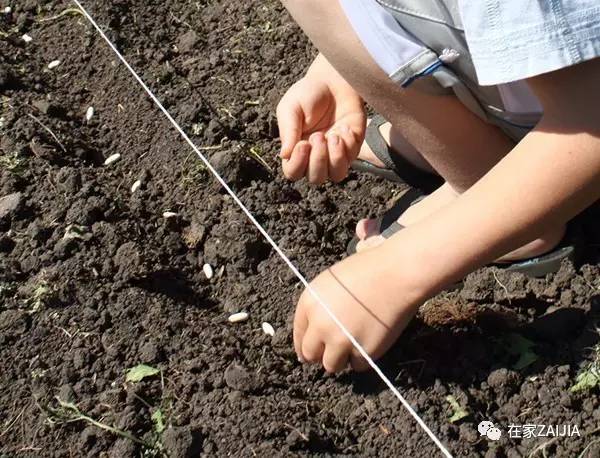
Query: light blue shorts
{"x": 509, "y": 40}
{"x": 501, "y": 43}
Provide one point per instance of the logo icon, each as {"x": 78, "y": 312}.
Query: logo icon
{"x": 487, "y": 428}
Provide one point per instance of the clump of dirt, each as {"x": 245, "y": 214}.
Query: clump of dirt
{"x": 95, "y": 280}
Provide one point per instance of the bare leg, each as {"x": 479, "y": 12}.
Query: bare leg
{"x": 456, "y": 143}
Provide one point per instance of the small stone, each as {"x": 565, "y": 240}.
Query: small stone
{"x": 9, "y": 204}
{"x": 238, "y": 317}
{"x": 113, "y": 158}
{"x": 268, "y": 329}
{"x": 66, "y": 393}
{"x": 208, "y": 271}
{"x": 187, "y": 41}
{"x": 26, "y": 38}
{"x": 48, "y": 108}
{"x": 168, "y": 215}
{"x": 53, "y": 64}
{"x": 75, "y": 231}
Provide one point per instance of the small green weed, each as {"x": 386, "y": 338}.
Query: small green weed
{"x": 589, "y": 378}
{"x": 459, "y": 412}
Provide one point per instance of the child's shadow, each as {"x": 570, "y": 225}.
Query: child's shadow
{"x": 466, "y": 349}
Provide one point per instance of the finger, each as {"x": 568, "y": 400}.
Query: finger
{"x": 350, "y": 140}
{"x": 338, "y": 164}
{"x": 300, "y": 326}
{"x": 318, "y": 166}
{"x": 335, "y": 358}
{"x": 358, "y": 363}
{"x": 294, "y": 168}
{"x": 290, "y": 120}
{"x": 312, "y": 346}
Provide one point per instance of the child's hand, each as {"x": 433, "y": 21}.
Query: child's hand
{"x": 373, "y": 302}
{"x": 322, "y": 125}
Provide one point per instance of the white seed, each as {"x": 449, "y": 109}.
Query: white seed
{"x": 53, "y": 64}
{"x": 89, "y": 113}
{"x": 168, "y": 215}
{"x": 26, "y": 38}
{"x": 238, "y": 317}
{"x": 268, "y": 329}
{"x": 110, "y": 159}
{"x": 208, "y": 271}
{"x": 7, "y": 10}
{"x": 135, "y": 186}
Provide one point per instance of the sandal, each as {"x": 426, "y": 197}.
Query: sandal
{"x": 538, "y": 266}
{"x": 397, "y": 169}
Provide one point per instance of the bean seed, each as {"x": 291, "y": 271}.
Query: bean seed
{"x": 110, "y": 159}
{"x": 135, "y": 186}
{"x": 238, "y": 317}
{"x": 268, "y": 329}
{"x": 208, "y": 271}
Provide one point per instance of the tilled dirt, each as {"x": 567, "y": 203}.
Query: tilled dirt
{"x": 95, "y": 280}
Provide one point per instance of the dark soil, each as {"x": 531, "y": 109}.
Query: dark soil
{"x": 126, "y": 286}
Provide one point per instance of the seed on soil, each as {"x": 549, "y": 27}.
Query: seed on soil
{"x": 53, "y": 64}
{"x": 208, "y": 271}
{"x": 89, "y": 113}
{"x": 26, "y": 38}
{"x": 168, "y": 215}
{"x": 7, "y": 10}
{"x": 268, "y": 329}
{"x": 238, "y": 317}
{"x": 135, "y": 186}
{"x": 110, "y": 159}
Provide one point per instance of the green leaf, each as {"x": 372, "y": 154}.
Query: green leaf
{"x": 139, "y": 372}
{"x": 159, "y": 421}
{"x": 459, "y": 412}
{"x": 587, "y": 380}
{"x": 522, "y": 347}
{"x": 526, "y": 358}
{"x": 518, "y": 344}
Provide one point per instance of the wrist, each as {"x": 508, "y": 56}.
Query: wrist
{"x": 413, "y": 276}
{"x": 321, "y": 70}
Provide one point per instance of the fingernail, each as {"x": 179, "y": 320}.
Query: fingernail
{"x": 301, "y": 360}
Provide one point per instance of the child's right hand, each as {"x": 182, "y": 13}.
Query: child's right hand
{"x": 322, "y": 124}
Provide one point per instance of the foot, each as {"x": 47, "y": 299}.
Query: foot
{"x": 368, "y": 232}
{"x": 399, "y": 145}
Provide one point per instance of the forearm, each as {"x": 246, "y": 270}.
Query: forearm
{"x": 546, "y": 180}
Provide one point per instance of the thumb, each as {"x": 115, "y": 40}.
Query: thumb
{"x": 290, "y": 119}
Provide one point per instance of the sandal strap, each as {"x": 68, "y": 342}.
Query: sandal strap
{"x": 402, "y": 167}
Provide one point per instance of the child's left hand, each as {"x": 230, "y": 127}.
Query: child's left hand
{"x": 371, "y": 301}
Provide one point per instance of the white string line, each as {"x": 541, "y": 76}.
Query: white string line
{"x": 278, "y": 250}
